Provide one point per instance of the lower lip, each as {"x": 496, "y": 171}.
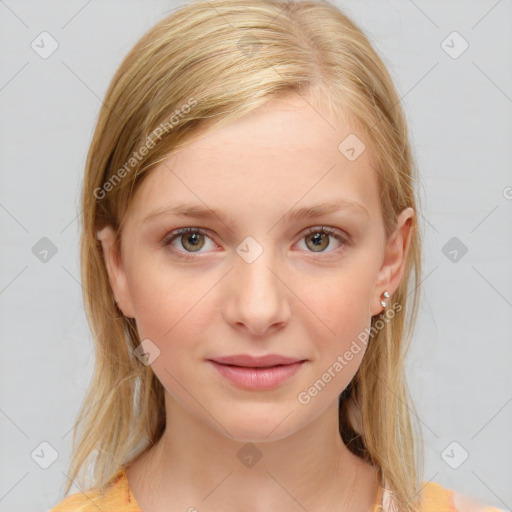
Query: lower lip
{"x": 257, "y": 378}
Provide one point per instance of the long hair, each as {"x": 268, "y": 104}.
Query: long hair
{"x": 206, "y": 65}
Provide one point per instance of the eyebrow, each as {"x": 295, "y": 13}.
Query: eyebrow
{"x": 202, "y": 212}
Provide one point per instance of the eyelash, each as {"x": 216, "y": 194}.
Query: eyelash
{"x": 326, "y": 230}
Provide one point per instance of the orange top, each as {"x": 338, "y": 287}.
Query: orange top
{"x": 119, "y": 498}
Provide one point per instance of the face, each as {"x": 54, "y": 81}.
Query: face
{"x": 254, "y": 278}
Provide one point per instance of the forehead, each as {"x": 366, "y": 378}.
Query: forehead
{"x": 287, "y": 154}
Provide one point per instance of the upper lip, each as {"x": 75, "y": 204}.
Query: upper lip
{"x": 256, "y": 362}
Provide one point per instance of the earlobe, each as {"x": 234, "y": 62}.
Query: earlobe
{"x": 115, "y": 270}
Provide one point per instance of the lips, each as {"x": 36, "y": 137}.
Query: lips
{"x": 248, "y": 361}
{"x": 264, "y": 377}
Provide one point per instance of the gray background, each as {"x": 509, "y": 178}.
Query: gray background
{"x": 459, "y": 110}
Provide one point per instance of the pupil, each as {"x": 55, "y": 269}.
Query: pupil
{"x": 316, "y": 238}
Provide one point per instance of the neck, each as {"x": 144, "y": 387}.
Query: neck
{"x": 201, "y": 467}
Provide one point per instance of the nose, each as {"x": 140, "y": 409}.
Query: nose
{"x": 257, "y": 295}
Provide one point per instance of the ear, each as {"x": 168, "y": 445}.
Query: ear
{"x": 115, "y": 270}
{"x": 393, "y": 266}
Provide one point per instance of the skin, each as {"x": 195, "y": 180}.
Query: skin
{"x": 293, "y": 300}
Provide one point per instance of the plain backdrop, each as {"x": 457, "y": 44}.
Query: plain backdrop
{"x": 458, "y": 102}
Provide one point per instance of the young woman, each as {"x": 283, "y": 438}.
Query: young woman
{"x": 251, "y": 261}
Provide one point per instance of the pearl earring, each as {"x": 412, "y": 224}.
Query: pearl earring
{"x": 383, "y": 303}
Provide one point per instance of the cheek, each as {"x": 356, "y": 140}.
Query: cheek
{"x": 337, "y": 320}
{"x": 171, "y": 306}
{"x": 166, "y": 309}
{"x": 337, "y": 305}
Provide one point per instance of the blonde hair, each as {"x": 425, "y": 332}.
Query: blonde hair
{"x": 208, "y": 64}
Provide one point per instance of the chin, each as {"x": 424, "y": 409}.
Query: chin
{"x": 252, "y": 434}
{"x": 258, "y": 425}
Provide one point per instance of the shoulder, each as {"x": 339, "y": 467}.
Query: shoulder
{"x": 437, "y": 498}
{"x": 117, "y": 498}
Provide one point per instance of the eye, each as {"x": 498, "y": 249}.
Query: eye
{"x": 317, "y": 238}
{"x": 192, "y": 240}
{"x": 189, "y": 238}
